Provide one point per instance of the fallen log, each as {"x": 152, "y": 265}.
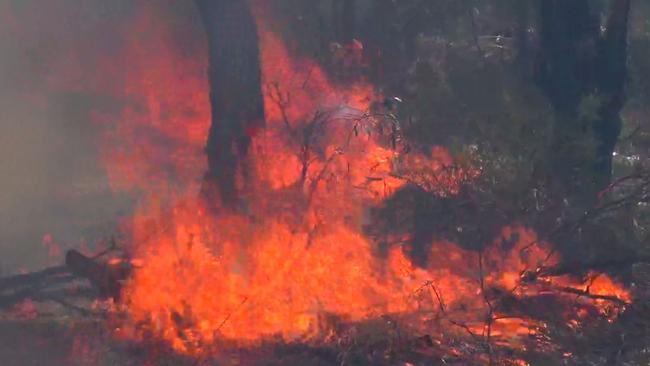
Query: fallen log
{"x": 603, "y": 265}
{"x": 29, "y": 279}
{"x": 105, "y": 279}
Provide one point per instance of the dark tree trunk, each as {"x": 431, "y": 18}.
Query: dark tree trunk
{"x": 383, "y": 41}
{"x": 521, "y": 37}
{"x": 344, "y": 20}
{"x": 235, "y": 94}
{"x": 583, "y": 72}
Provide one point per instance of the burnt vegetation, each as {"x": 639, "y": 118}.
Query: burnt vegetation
{"x": 515, "y": 179}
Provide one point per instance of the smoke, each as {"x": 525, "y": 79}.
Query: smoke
{"x": 62, "y": 63}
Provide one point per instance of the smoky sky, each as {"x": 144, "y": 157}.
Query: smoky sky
{"x": 52, "y": 183}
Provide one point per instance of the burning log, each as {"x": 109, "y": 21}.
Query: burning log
{"x": 616, "y": 264}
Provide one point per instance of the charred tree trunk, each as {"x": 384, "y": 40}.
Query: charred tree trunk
{"x": 235, "y": 95}
{"x": 583, "y": 72}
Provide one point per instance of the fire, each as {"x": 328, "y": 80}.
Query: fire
{"x": 605, "y": 286}
{"x": 299, "y": 258}
{"x": 165, "y": 104}
{"x": 296, "y": 262}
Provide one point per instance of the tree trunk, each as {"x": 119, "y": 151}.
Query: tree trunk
{"x": 383, "y": 41}
{"x": 344, "y": 20}
{"x": 583, "y": 72}
{"x": 521, "y": 38}
{"x": 235, "y": 95}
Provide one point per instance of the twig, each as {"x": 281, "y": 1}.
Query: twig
{"x": 111, "y": 248}
{"x": 587, "y": 294}
{"x": 282, "y": 102}
{"x": 577, "y": 268}
{"x": 438, "y": 296}
{"x": 225, "y": 320}
{"x": 489, "y": 319}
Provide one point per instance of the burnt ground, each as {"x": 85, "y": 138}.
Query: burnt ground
{"x": 66, "y": 341}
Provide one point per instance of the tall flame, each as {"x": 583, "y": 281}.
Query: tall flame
{"x": 295, "y": 262}
{"x": 298, "y": 261}
{"x": 300, "y": 255}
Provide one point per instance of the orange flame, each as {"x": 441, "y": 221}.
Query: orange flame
{"x": 296, "y": 262}
{"x": 302, "y": 254}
